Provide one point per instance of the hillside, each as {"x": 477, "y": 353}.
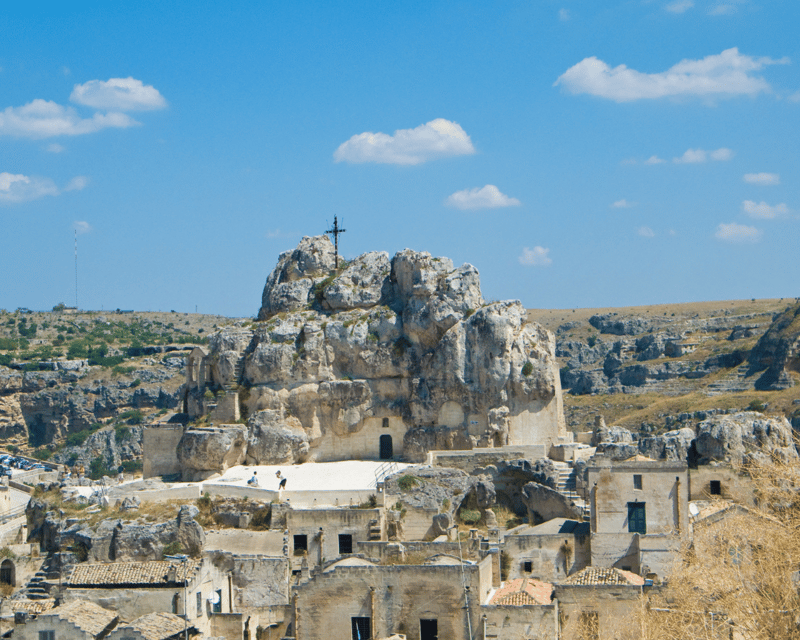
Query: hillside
{"x": 640, "y": 367}
{"x": 75, "y": 386}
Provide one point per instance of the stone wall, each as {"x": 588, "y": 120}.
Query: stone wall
{"x": 159, "y": 448}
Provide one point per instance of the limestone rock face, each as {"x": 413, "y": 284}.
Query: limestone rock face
{"x": 289, "y": 285}
{"x": 673, "y": 445}
{"x": 732, "y": 437}
{"x": 778, "y": 351}
{"x": 211, "y": 450}
{"x": 398, "y": 350}
{"x": 544, "y": 504}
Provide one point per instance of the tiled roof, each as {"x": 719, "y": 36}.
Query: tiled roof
{"x": 157, "y": 626}
{"x": 85, "y": 615}
{"x": 604, "y": 576}
{"x": 154, "y": 573}
{"x": 523, "y": 591}
{"x": 32, "y": 606}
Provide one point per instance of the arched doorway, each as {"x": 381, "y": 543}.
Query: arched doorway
{"x": 7, "y": 573}
{"x": 386, "y": 451}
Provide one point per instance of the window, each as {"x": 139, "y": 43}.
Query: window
{"x": 176, "y": 599}
{"x": 199, "y": 595}
{"x": 7, "y": 572}
{"x": 362, "y": 628}
{"x": 527, "y": 566}
{"x": 429, "y": 629}
{"x": 386, "y": 423}
{"x": 715, "y": 488}
{"x": 218, "y": 602}
{"x": 300, "y": 544}
{"x": 47, "y": 635}
{"x": 345, "y": 543}
{"x": 637, "y": 520}
{"x": 637, "y": 481}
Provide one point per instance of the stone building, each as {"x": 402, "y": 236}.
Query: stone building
{"x": 639, "y": 512}
{"x": 76, "y": 619}
{"x": 551, "y": 551}
{"x": 356, "y": 598}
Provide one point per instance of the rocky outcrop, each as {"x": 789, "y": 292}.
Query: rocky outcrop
{"x": 778, "y": 351}
{"x": 544, "y": 504}
{"x": 204, "y": 451}
{"x": 733, "y": 438}
{"x": 620, "y": 326}
{"x": 403, "y": 347}
{"x": 673, "y": 445}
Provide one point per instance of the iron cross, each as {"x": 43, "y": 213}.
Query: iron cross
{"x": 335, "y": 231}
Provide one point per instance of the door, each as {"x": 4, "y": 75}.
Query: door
{"x": 386, "y": 452}
{"x": 428, "y": 629}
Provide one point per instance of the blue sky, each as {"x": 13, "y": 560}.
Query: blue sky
{"x": 579, "y": 154}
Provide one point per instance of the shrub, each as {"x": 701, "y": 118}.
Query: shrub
{"x": 527, "y": 368}
{"x": 78, "y": 438}
{"x": 469, "y": 516}
{"x": 131, "y": 466}
{"x": 132, "y": 416}
{"x": 407, "y": 482}
{"x": 757, "y": 405}
{"x": 591, "y": 341}
{"x": 172, "y": 549}
{"x": 42, "y": 454}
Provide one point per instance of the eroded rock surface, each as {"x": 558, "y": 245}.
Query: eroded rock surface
{"x": 386, "y": 357}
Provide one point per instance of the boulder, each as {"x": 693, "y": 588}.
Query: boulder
{"x": 211, "y": 449}
{"x": 544, "y": 503}
{"x": 673, "y": 445}
{"x": 612, "y": 434}
{"x": 733, "y": 437}
{"x": 274, "y": 438}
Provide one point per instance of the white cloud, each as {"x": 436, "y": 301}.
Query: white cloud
{"x": 646, "y": 232}
{"x": 763, "y": 211}
{"x": 55, "y": 148}
{"x": 693, "y": 156}
{"x": 118, "y": 94}
{"x": 679, "y": 6}
{"x": 536, "y": 257}
{"x": 721, "y": 154}
{"x": 726, "y": 74}
{"x": 564, "y": 15}
{"x": 765, "y": 179}
{"x": 15, "y": 188}
{"x": 45, "y": 119}
{"x": 623, "y": 204}
{"x": 488, "y": 197}
{"x": 20, "y": 188}
{"x": 438, "y": 138}
{"x": 722, "y": 10}
{"x": 653, "y": 160}
{"x": 81, "y": 226}
{"x": 78, "y": 183}
{"x": 734, "y": 232}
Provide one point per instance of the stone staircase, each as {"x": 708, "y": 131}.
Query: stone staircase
{"x": 567, "y": 485}
{"x": 238, "y": 374}
{"x": 40, "y": 584}
{"x": 375, "y": 530}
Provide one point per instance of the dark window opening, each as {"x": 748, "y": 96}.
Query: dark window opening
{"x": 715, "y": 488}
{"x": 47, "y": 635}
{"x": 345, "y": 543}
{"x": 362, "y": 628}
{"x": 637, "y": 520}
{"x": 637, "y": 481}
{"x": 527, "y": 566}
{"x": 386, "y": 452}
{"x": 199, "y": 604}
{"x": 300, "y": 544}
{"x": 626, "y": 568}
{"x": 386, "y": 423}
{"x": 7, "y": 572}
{"x": 429, "y": 629}
{"x": 217, "y": 608}
{"x": 176, "y": 600}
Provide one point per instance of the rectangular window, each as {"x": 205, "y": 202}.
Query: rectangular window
{"x": 218, "y": 602}
{"x": 300, "y": 544}
{"x": 637, "y": 481}
{"x": 386, "y": 423}
{"x": 527, "y": 566}
{"x": 637, "y": 519}
{"x": 362, "y": 628}
{"x": 715, "y": 488}
{"x": 47, "y": 635}
{"x": 345, "y": 543}
{"x": 199, "y": 595}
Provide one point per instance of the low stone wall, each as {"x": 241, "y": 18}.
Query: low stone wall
{"x": 475, "y": 458}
